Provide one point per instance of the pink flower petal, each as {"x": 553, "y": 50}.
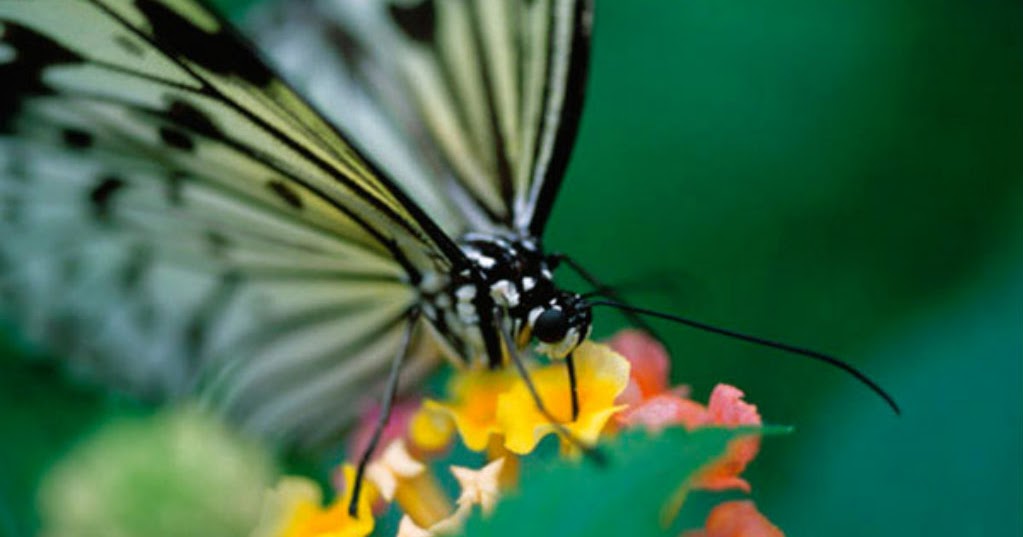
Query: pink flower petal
{"x": 663, "y": 410}
{"x": 649, "y": 361}
{"x": 726, "y": 407}
{"x": 401, "y": 414}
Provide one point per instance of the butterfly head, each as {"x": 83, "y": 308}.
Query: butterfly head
{"x": 518, "y": 277}
{"x": 561, "y": 325}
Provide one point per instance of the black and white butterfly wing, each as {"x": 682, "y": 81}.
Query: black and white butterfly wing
{"x": 486, "y": 95}
{"x": 175, "y": 217}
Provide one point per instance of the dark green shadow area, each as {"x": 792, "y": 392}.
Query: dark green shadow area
{"x": 42, "y": 416}
{"x": 830, "y": 174}
{"x": 808, "y": 171}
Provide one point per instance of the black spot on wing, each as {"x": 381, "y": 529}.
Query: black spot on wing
{"x": 418, "y": 21}
{"x": 186, "y": 115}
{"x": 217, "y": 242}
{"x": 130, "y": 46}
{"x": 351, "y": 51}
{"x": 176, "y": 139}
{"x": 23, "y": 76}
{"x": 285, "y": 192}
{"x": 101, "y": 197}
{"x": 185, "y": 121}
{"x": 221, "y": 52}
{"x": 76, "y": 138}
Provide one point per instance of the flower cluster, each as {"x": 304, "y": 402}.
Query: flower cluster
{"x": 620, "y": 386}
{"x": 652, "y": 404}
{"x": 496, "y": 409}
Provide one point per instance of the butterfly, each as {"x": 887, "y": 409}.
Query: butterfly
{"x": 177, "y": 218}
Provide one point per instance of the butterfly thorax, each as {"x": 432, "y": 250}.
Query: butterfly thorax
{"x": 508, "y": 284}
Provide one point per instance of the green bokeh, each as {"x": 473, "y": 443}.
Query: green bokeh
{"x": 825, "y": 173}
{"x": 951, "y": 465}
{"x": 842, "y": 175}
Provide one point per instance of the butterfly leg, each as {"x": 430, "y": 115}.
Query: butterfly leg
{"x": 385, "y": 411}
{"x": 572, "y": 384}
{"x": 590, "y": 451}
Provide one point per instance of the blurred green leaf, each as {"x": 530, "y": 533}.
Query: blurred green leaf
{"x": 175, "y": 474}
{"x": 625, "y": 497}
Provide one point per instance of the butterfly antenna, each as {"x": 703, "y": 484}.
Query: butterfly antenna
{"x": 608, "y": 291}
{"x": 831, "y": 360}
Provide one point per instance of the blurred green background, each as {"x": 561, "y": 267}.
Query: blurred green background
{"x": 842, "y": 175}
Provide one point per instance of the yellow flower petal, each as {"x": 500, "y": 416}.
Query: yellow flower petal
{"x": 601, "y": 375}
{"x": 512, "y": 466}
{"x": 472, "y": 404}
{"x": 431, "y": 430}
{"x": 294, "y": 509}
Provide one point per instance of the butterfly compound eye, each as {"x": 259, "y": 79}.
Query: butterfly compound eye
{"x": 551, "y": 326}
